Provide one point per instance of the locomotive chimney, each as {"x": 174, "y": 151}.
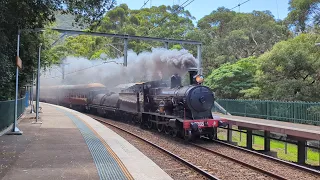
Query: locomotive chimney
{"x": 175, "y": 81}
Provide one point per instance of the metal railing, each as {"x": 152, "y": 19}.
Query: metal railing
{"x": 296, "y": 112}
{"x": 7, "y": 111}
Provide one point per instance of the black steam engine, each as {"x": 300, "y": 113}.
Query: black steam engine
{"x": 165, "y": 105}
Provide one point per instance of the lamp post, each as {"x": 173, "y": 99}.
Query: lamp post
{"x": 31, "y": 94}
{"x": 15, "y": 129}
{"x": 38, "y": 88}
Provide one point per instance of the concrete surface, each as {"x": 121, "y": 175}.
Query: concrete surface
{"x": 309, "y": 132}
{"x": 52, "y": 150}
{"x": 139, "y": 165}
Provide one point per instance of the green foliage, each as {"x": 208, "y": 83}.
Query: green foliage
{"x": 229, "y": 36}
{"x": 230, "y": 79}
{"x": 304, "y": 13}
{"x": 290, "y": 71}
{"x": 25, "y": 14}
{"x": 155, "y": 21}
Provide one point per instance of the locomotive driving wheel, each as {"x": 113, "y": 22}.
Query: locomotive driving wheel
{"x": 149, "y": 122}
{"x": 160, "y": 127}
{"x": 167, "y": 129}
{"x": 174, "y": 133}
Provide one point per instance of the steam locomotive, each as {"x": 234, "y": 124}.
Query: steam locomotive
{"x": 166, "y": 106}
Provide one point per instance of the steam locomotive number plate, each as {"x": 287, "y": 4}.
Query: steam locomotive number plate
{"x": 200, "y": 123}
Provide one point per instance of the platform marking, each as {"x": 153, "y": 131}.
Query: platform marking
{"x": 104, "y": 158}
{"x": 123, "y": 167}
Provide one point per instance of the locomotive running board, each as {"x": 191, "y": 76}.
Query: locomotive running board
{"x": 162, "y": 115}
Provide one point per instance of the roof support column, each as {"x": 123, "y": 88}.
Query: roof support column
{"x": 166, "y": 45}
{"x": 125, "y": 52}
{"x": 199, "y": 58}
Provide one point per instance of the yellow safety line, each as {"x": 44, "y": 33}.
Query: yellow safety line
{"x": 122, "y": 166}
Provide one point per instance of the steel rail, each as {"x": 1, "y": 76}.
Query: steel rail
{"x": 240, "y": 162}
{"x": 310, "y": 170}
{"x": 202, "y": 172}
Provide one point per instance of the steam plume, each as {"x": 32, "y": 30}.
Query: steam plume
{"x": 147, "y": 66}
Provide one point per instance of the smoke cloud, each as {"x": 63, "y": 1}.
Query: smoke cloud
{"x": 158, "y": 64}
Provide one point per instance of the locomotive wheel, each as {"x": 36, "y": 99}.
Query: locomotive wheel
{"x": 174, "y": 133}
{"x": 188, "y": 136}
{"x": 132, "y": 120}
{"x": 149, "y": 122}
{"x": 211, "y": 136}
{"x": 136, "y": 120}
{"x": 167, "y": 129}
{"x": 160, "y": 127}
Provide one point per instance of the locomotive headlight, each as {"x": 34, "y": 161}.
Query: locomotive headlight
{"x": 199, "y": 79}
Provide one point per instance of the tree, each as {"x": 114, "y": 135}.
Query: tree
{"x": 24, "y": 14}
{"x": 290, "y": 71}
{"x": 304, "y": 13}
{"x": 229, "y": 80}
{"x": 162, "y": 21}
{"x": 231, "y": 36}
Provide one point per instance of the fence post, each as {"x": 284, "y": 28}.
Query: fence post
{"x": 286, "y": 148}
{"x": 268, "y": 109}
{"x": 245, "y": 108}
{"x": 294, "y": 112}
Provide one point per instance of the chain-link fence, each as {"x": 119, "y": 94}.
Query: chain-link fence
{"x": 7, "y": 111}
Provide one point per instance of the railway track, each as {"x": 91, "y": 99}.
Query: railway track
{"x": 277, "y": 160}
{"x": 183, "y": 161}
{"x": 206, "y": 172}
{"x": 269, "y": 173}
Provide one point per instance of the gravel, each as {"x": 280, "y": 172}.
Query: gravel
{"x": 170, "y": 165}
{"x": 266, "y": 164}
{"x": 213, "y": 164}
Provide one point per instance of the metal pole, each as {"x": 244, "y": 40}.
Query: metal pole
{"x": 319, "y": 151}
{"x": 38, "y": 88}
{"x": 199, "y": 58}
{"x": 62, "y": 71}
{"x": 31, "y": 94}
{"x": 166, "y": 45}
{"x": 15, "y": 129}
{"x": 285, "y": 148}
{"x": 125, "y": 62}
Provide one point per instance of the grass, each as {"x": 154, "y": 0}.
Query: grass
{"x": 276, "y": 146}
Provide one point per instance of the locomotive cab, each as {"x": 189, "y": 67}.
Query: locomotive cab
{"x": 194, "y": 77}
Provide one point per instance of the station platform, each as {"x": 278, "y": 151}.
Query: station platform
{"x": 71, "y": 145}
{"x": 308, "y": 132}
{"x": 299, "y": 132}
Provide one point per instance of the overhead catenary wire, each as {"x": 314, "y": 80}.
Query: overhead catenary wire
{"x": 240, "y": 4}
{"x": 144, "y": 4}
{"x": 80, "y": 69}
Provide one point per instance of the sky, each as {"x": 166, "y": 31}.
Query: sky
{"x": 200, "y": 8}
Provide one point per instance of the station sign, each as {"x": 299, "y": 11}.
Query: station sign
{"x": 19, "y": 62}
